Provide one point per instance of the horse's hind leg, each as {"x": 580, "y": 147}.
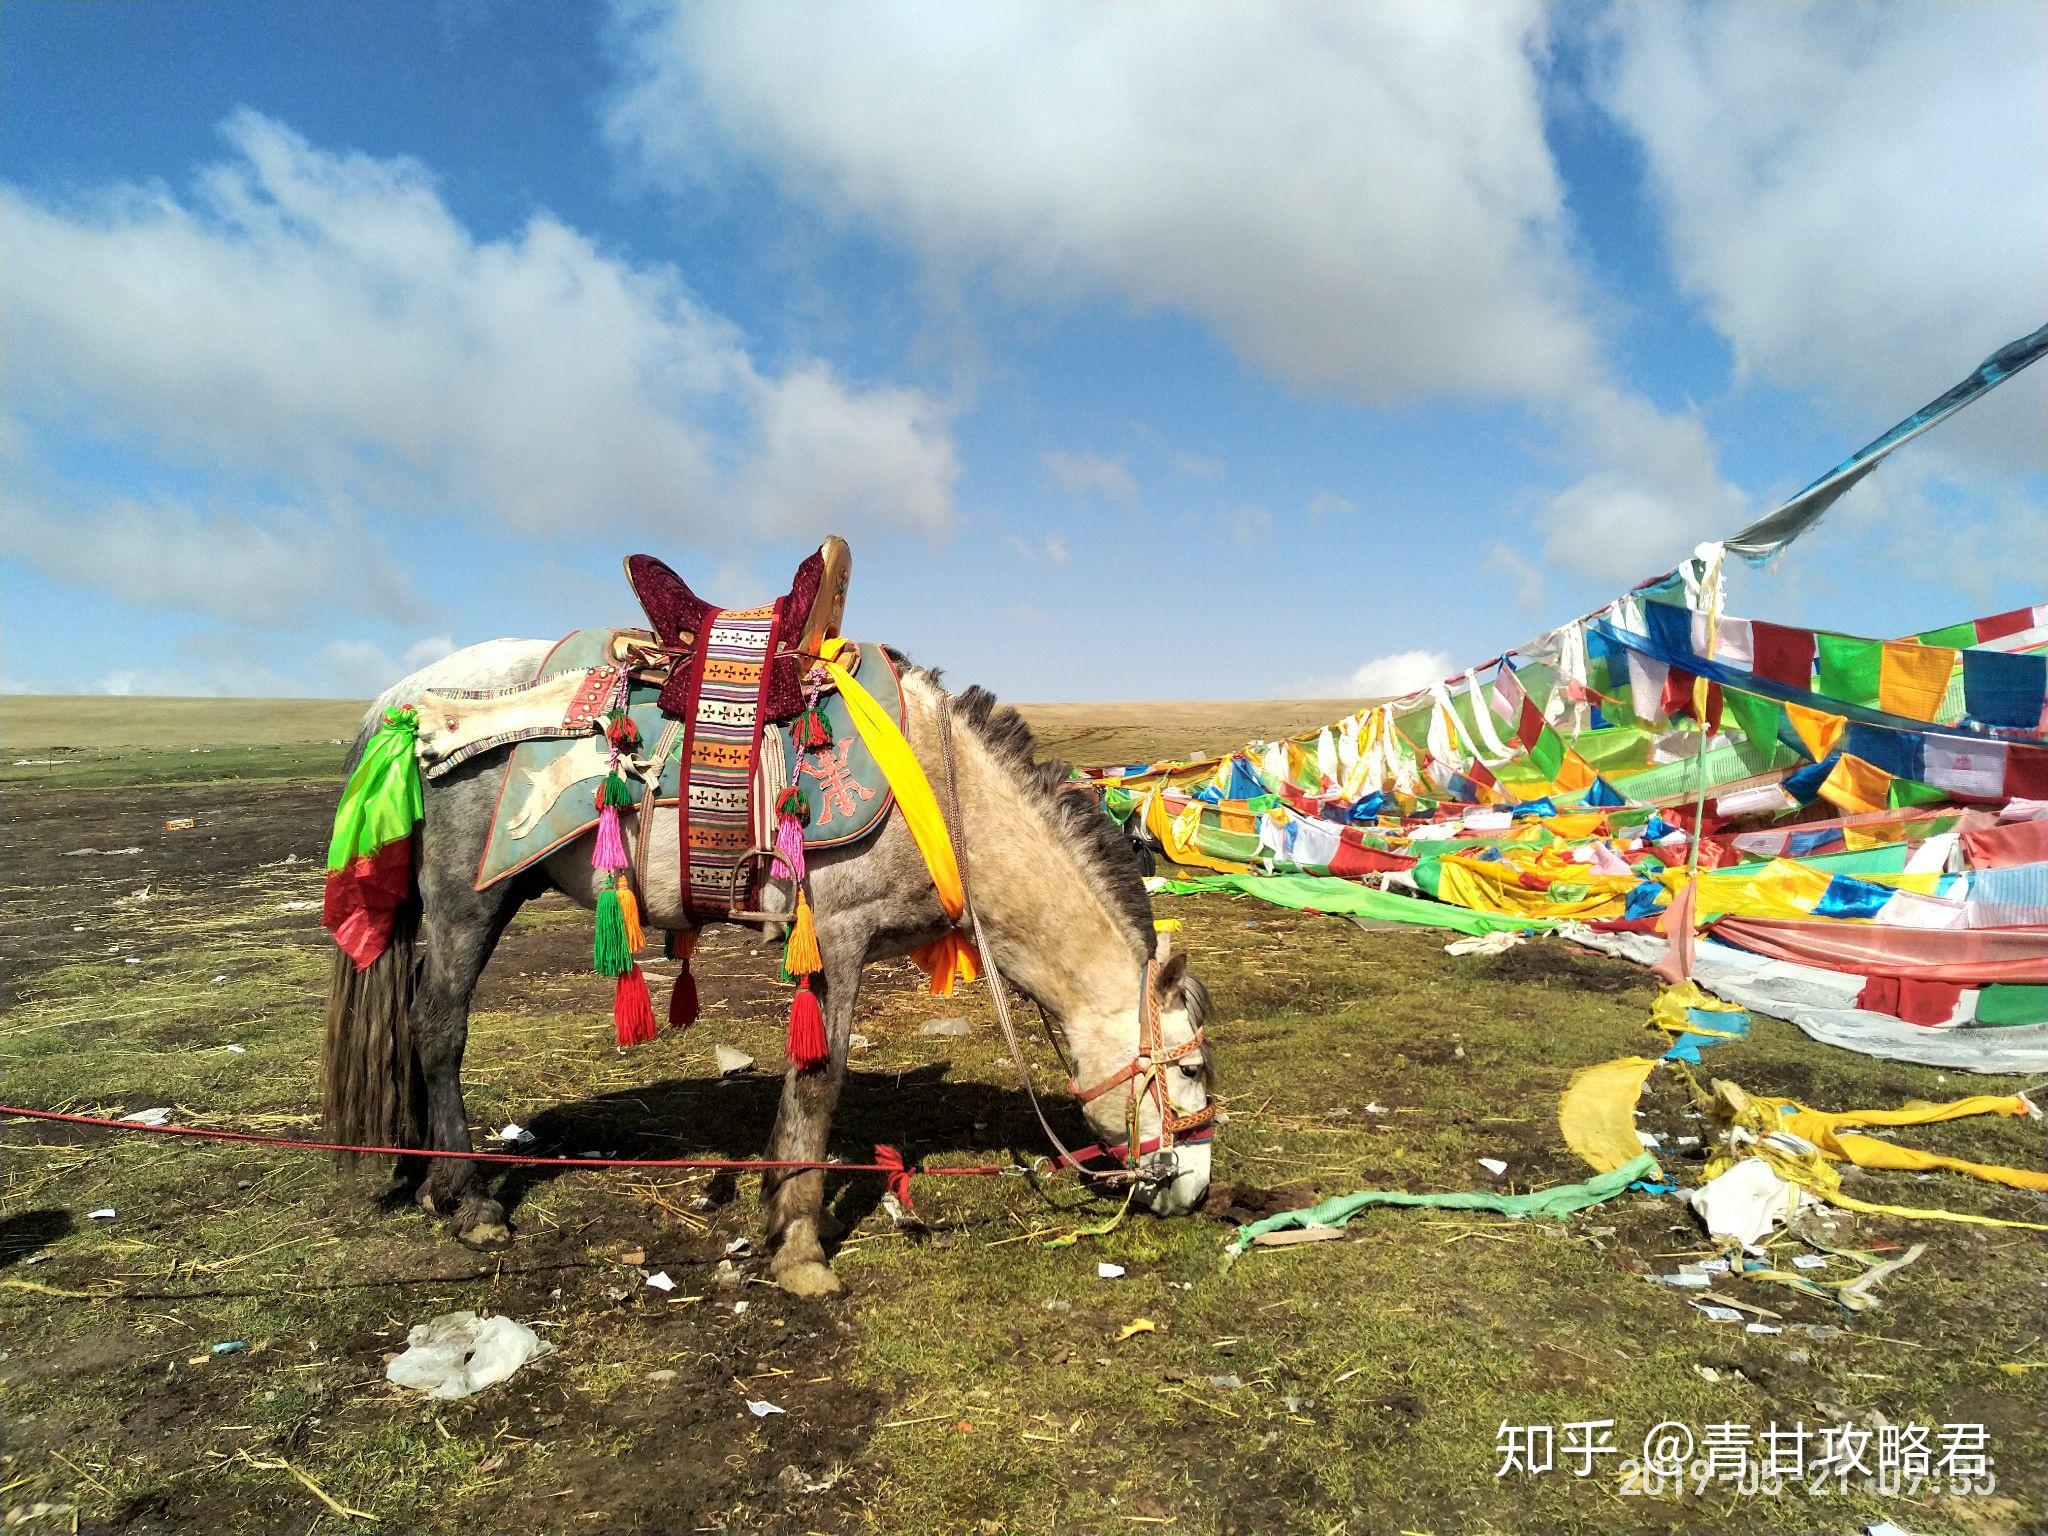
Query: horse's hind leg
{"x": 462, "y": 928}
{"x": 802, "y": 1129}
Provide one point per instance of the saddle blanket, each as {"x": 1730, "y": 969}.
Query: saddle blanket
{"x": 547, "y": 795}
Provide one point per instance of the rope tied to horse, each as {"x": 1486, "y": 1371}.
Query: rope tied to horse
{"x": 888, "y": 1161}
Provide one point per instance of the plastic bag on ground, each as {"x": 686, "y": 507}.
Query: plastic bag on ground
{"x": 1746, "y": 1201}
{"x": 458, "y": 1354}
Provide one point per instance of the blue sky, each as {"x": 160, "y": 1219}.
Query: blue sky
{"x": 1140, "y": 353}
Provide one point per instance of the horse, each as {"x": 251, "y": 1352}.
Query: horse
{"x": 1059, "y": 905}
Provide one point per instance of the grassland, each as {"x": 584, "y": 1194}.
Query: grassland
{"x": 974, "y": 1379}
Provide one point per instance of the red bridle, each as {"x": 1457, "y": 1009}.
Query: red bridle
{"x": 1146, "y": 1075}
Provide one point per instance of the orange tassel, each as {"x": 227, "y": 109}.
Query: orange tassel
{"x": 629, "y": 914}
{"x": 802, "y": 957}
{"x": 807, "y": 1047}
{"x": 633, "y": 1010}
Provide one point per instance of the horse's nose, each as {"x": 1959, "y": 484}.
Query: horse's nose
{"x": 1183, "y": 1181}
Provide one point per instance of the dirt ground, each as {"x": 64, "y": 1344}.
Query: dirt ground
{"x": 975, "y": 1378}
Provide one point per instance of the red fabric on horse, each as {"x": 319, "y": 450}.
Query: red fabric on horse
{"x": 675, "y": 611}
{"x": 361, "y": 901}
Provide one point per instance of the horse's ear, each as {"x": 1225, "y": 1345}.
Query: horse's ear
{"x": 1162, "y": 946}
{"x": 1173, "y": 971}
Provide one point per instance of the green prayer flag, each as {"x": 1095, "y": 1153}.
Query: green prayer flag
{"x": 2012, "y": 1004}
{"x": 1347, "y": 898}
{"x": 1849, "y": 667}
{"x": 1558, "y": 1200}
{"x": 1758, "y": 719}
{"x": 1904, "y": 792}
{"x": 1958, "y": 636}
{"x": 1547, "y": 755}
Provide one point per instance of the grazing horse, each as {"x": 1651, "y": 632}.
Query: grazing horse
{"x": 1062, "y": 911}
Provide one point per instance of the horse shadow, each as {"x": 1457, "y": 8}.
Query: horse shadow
{"x": 27, "y": 1233}
{"x": 924, "y": 1112}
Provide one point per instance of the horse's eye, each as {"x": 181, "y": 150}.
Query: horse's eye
{"x": 1191, "y": 1069}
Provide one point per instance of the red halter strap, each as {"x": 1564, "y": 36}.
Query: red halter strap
{"x": 1146, "y": 1074}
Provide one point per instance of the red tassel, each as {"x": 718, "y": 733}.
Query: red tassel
{"x": 807, "y": 1048}
{"x": 683, "y": 1006}
{"x": 633, "y": 1010}
{"x": 899, "y": 1175}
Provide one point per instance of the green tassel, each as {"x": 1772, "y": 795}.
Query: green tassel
{"x": 617, "y": 792}
{"x": 609, "y": 956}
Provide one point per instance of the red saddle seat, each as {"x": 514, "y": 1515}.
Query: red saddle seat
{"x": 804, "y": 615}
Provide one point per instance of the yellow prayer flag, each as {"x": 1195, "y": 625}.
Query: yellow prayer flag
{"x": 1855, "y": 786}
{"x": 1816, "y": 728}
{"x": 1912, "y": 678}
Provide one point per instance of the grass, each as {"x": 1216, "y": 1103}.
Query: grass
{"x": 89, "y": 743}
{"x": 972, "y": 1380}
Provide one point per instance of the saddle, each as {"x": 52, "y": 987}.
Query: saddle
{"x": 800, "y": 621}
{"x": 712, "y": 693}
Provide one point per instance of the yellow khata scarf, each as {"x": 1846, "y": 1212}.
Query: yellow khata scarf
{"x": 951, "y": 957}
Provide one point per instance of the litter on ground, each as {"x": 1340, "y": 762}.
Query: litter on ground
{"x": 459, "y": 1354}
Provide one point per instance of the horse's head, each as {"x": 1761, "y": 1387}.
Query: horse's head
{"x": 1145, "y": 1084}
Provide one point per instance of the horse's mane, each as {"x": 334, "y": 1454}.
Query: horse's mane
{"x": 1091, "y": 834}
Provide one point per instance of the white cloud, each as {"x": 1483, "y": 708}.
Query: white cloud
{"x": 1329, "y": 504}
{"x": 1383, "y": 677}
{"x": 1052, "y": 551}
{"x": 1248, "y": 527}
{"x": 1078, "y": 473}
{"x": 266, "y": 570}
{"x": 1521, "y": 576}
{"x": 212, "y": 665}
{"x": 1854, "y": 193}
{"x": 428, "y": 650}
{"x": 1656, "y": 493}
{"x": 363, "y": 669}
{"x": 202, "y": 664}
{"x": 1357, "y": 197}
{"x": 325, "y": 316}
{"x": 828, "y": 460}
{"x": 1196, "y": 466}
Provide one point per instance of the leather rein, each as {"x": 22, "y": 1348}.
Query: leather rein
{"x": 1145, "y": 1073}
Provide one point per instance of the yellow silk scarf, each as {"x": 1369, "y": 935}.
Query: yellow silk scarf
{"x": 951, "y": 957}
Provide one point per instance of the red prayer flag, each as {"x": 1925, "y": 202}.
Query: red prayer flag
{"x": 1782, "y": 654}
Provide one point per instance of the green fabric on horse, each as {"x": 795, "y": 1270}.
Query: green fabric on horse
{"x": 369, "y": 856}
{"x": 382, "y": 801}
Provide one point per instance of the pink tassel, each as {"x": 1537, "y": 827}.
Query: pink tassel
{"x": 610, "y": 852}
{"x": 789, "y": 849}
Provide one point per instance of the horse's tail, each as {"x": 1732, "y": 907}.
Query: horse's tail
{"x": 374, "y": 1092}
{"x": 375, "y": 1095}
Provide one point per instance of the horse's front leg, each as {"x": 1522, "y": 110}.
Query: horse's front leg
{"x": 803, "y": 1129}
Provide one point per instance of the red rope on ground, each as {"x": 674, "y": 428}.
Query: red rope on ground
{"x": 888, "y": 1160}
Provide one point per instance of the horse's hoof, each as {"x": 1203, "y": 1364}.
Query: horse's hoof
{"x": 485, "y": 1235}
{"x": 809, "y": 1279}
{"x": 425, "y": 1201}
